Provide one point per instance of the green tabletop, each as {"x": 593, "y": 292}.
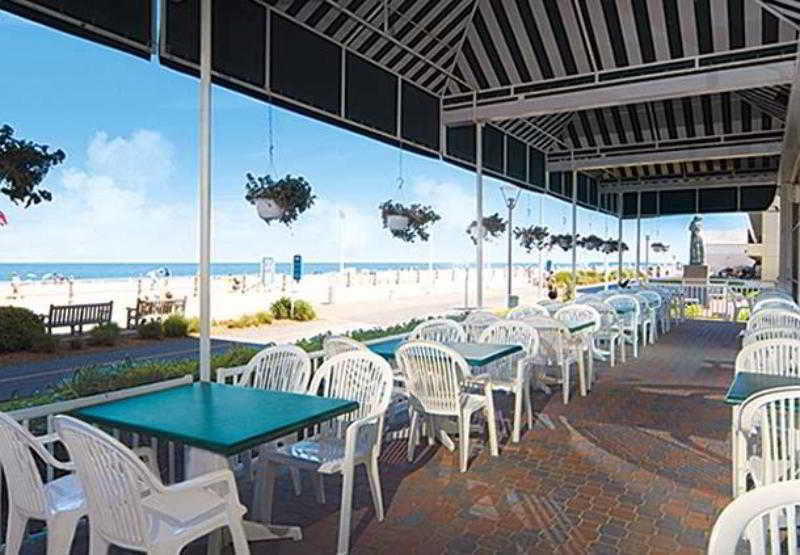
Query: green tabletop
{"x": 746, "y": 384}
{"x": 578, "y": 327}
{"x": 624, "y": 310}
{"x": 224, "y": 419}
{"x": 476, "y": 354}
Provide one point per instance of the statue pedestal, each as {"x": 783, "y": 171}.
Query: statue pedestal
{"x": 697, "y": 275}
{"x": 695, "y": 272}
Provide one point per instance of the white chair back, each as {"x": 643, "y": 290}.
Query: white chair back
{"x": 476, "y": 322}
{"x": 525, "y": 312}
{"x": 777, "y": 303}
{"x": 654, "y": 299}
{"x": 338, "y": 344}
{"x": 573, "y": 314}
{"x": 775, "y": 318}
{"x": 434, "y": 376}
{"x": 440, "y": 331}
{"x": 770, "y": 333}
{"x": 551, "y": 334}
{"x": 279, "y": 368}
{"x": 115, "y": 481}
{"x": 766, "y": 516}
{"x": 505, "y": 332}
{"x": 626, "y": 306}
{"x": 22, "y": 473}
{"x": 774, "y": 356}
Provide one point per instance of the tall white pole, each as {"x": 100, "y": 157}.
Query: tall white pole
{"x": 638, "y": 233}
{"x": 204, "y": 189}
{"x": 341, "y": 241}
{"x": 605, "y": 257}
{"x": 479, "y": 209}
{"x": 619, "y": 239}
{"x": 541, "y": 222}
{"x": 574, "y": 230}
{"x": 647, "y": 256}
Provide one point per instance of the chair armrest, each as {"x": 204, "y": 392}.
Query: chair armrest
{"x": 202, "y": 481}
{"x": 351, "y": 433}
{"x": 47, "y": 457}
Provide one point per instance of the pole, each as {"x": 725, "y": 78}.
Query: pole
{"x": 619, "y": 241}
{"x": 647, "y": 256}
{"x": 541, "y": 221}
{"x": 341, "y": 241}
{"x": 479, "y": 210}
{"x": 204, "y": 189}
{"x": 605, "y": 258}
{"x": 638, "y": 233}
{"x": 574, "y": 230}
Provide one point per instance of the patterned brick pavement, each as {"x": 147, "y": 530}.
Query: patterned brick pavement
{"x": 641, "y": 465}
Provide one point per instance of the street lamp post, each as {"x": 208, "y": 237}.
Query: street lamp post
{"x": 511, "y": 202}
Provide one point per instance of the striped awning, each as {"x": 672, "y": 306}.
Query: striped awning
{"x": 642, "y": 94}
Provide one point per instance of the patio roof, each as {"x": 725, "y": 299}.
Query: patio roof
{"x": 558, "y": 84}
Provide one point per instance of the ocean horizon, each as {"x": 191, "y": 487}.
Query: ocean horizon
{"x": 113, "y": 270}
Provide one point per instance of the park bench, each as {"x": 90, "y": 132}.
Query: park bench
{"x": 157, "y": 308}
{"x": 77, "y": 315}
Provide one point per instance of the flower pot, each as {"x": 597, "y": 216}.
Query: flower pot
{"x": 473, "y": 232}
{"x": 397, "y": 222}
{"x": 268, "y": 209}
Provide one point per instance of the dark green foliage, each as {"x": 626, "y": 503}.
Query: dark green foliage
{"x": 303, "y": 311}
{"x": 104, "y": 335}
{"x": 611, "y": 246}
{"x": 659, "y": 247}
{"x": 150, "y": 330}
{"x": 564, "y": 241}
{"x": 282, "y": 308}
{"x": 23, "y": 165}
{"x": 419, "y": 218}
{"x": 532, "y": 238}
{"x": 293, "y": 194}
{"x": 45, "y": 343}
{"x": 591, "y": 243}
{"x": 493, "y": 226}
{"x": 75, "y": 343}
{"x": 19, "y": 329}
{"x": 176, "y": 326}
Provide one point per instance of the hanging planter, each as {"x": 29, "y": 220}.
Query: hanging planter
{"x": 611, "y": 246}
{"x": 591, "y": 243}
{"x": 659, "y": 247}
{"x": 408, "y": 223}
{"x": 493, "y": 226}
{"x": 283, "y": 200}
{"x": 563, "y": 241}
{"x": 532, "y": 238}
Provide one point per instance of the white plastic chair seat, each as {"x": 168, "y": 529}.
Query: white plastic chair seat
{"x": 173, "y": 512}
{"x": 65, "y": 494}
{"x": 325, "y": 455}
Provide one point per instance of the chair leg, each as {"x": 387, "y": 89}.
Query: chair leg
{"x": 635, "y": 341}
{"x": 345, "y": 513}
{"x": 264, "y": 491}
{"x": 15, "y": 532}
{"x": 240, "y": 546}
{"x": 412, "y": 434}
{"x": 464, "y": 440}
{"x": 97, "y": 545}
{"x": 565, "y": 370}
{"x": 590, "y": 369}
{"x": 581, "y": 374}
{"x": 526, "y": 390}
{"x": 491, "y": 423}
{"x": 516, "y": 432}
{"x": 622, "y": 353}
{"x": 375, "y": 486}
{"x": 295, "y": 473}
{"x": 60, "y": 532}
{"x": 319, "y": 482}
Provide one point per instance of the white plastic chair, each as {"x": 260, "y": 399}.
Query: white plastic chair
{"x": 647, "y": 318}
{"x": 513, "y": 373}
{"x": 627, "y": 308}
{"x": 525, "y": 312}
{"x": 130, "y": 507}
{"x": 441, "y": 331}
{"x": 659, "y": 310}
{"x": 774, "y": 356}
{"x": 554, "y": 352}
{"x": 476, "y": 322}
{"x": 608, "y": 333}
{"x": 338, "y": 344}
{"x": 582, "y": 341}
{"x": 775, "y": 302}
{"x": 437, "y": 379}
{"x": 773, "y": 317}
{"x": 767, "y": 516}
{"x": 59, "y": 502}
{"x": 770, "y": 333}
{"x": 344, "y": 442}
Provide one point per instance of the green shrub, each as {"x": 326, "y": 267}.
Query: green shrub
{"x": 45, "y": 343}
{"x": 303, "y": 311}
{"x": 150, "y": 330}
{"x": 282, "y": 308}
{"x": 75, "y": 343}
{"x": 104, "y": 334}
{"x": 176, "y": 326}
{"x": 19, "y": 329}
{"x": 193, "y": 324}
{"x": 264, "y": 317}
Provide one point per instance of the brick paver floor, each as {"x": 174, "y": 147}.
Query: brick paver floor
{"x": 640, "y": 465}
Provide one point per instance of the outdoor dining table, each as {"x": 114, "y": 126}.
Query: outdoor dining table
{"x": 216, "y": 421}
{"x": 744, "y": 385}
{"x": 476, "y": 354}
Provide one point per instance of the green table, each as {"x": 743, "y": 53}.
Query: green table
{"x": 476, "y": 354}
{"x": 573, "y": 328}
{"x": 744, "y": 385}
{"x": 216, "y": 421}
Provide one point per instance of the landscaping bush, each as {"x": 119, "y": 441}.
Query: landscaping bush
{"x": 75, "y": 343}
{"x": 193, "y": 325}
{"x": 150, "y": 330}
{"x": 282, "y": 308}
{"x": 303, "y": 311}
{"x": 105, "y": 334}
{"x": 45, "y": 344}
{"x": 176, "y": 326}
{"x": 19, "y": 329}
{"x": 264, "y": 317}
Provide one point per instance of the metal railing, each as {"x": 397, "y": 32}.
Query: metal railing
{"x": 715, "y": 300}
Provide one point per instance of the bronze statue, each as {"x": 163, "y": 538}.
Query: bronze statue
{"x": 697, "y": 249}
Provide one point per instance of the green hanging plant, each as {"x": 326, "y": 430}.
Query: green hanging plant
{"x": 493, "y": 226}
{"x": 408, "y": 223}
{"x": 283, "y": 200}
{"x": 612, "y": 246}
{"x": 564, "y": 241}
{"x": 532, "y": 238}
{"x": 659, "y": 247}
{"x": 591, "y": 243}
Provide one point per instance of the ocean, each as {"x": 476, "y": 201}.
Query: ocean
{"x": 80, "y": 270}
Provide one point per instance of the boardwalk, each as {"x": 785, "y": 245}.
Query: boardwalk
{"x": 641, "y": 465}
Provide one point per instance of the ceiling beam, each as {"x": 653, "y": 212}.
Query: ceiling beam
{"x": 710, "y": 182}
{"x": 600, "y": 94}
{"x": 694, "y": 154}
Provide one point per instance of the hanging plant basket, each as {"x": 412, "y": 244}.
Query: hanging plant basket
{"x": 283, "y": 200}
{"x": 611, "y": 246}
{"x": 532, "y": 238}
{"x": 408, "y": 223}
{"x": 493, "y": 226}
{"x": 564, "y": 241}
{"x": 591, "y": 243}
{"x": 659, "y": 247}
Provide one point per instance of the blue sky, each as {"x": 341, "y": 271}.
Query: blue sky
{"x": 127, "y": 189}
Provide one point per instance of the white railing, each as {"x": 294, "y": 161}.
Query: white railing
{"x": 723, "y": 300}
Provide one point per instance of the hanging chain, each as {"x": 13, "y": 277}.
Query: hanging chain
{"x": 400, "y": 169}
{"x": 271, "y": 146}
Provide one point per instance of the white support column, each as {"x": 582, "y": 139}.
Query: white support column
{"x": 204, "y": 189}
{"x": 574, "y": 231}
{"x": 541, "y": 221}
{"x": 638, "y": 234}
{"x": 647, "y": 256}
{"x": 786, "y": 191}
{"x": 619, "y": 243}
{"x": 479, "y": 210}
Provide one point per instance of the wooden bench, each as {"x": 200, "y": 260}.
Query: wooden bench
{"x": 77, "y": 315}
{"x": 145, "y": 308}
